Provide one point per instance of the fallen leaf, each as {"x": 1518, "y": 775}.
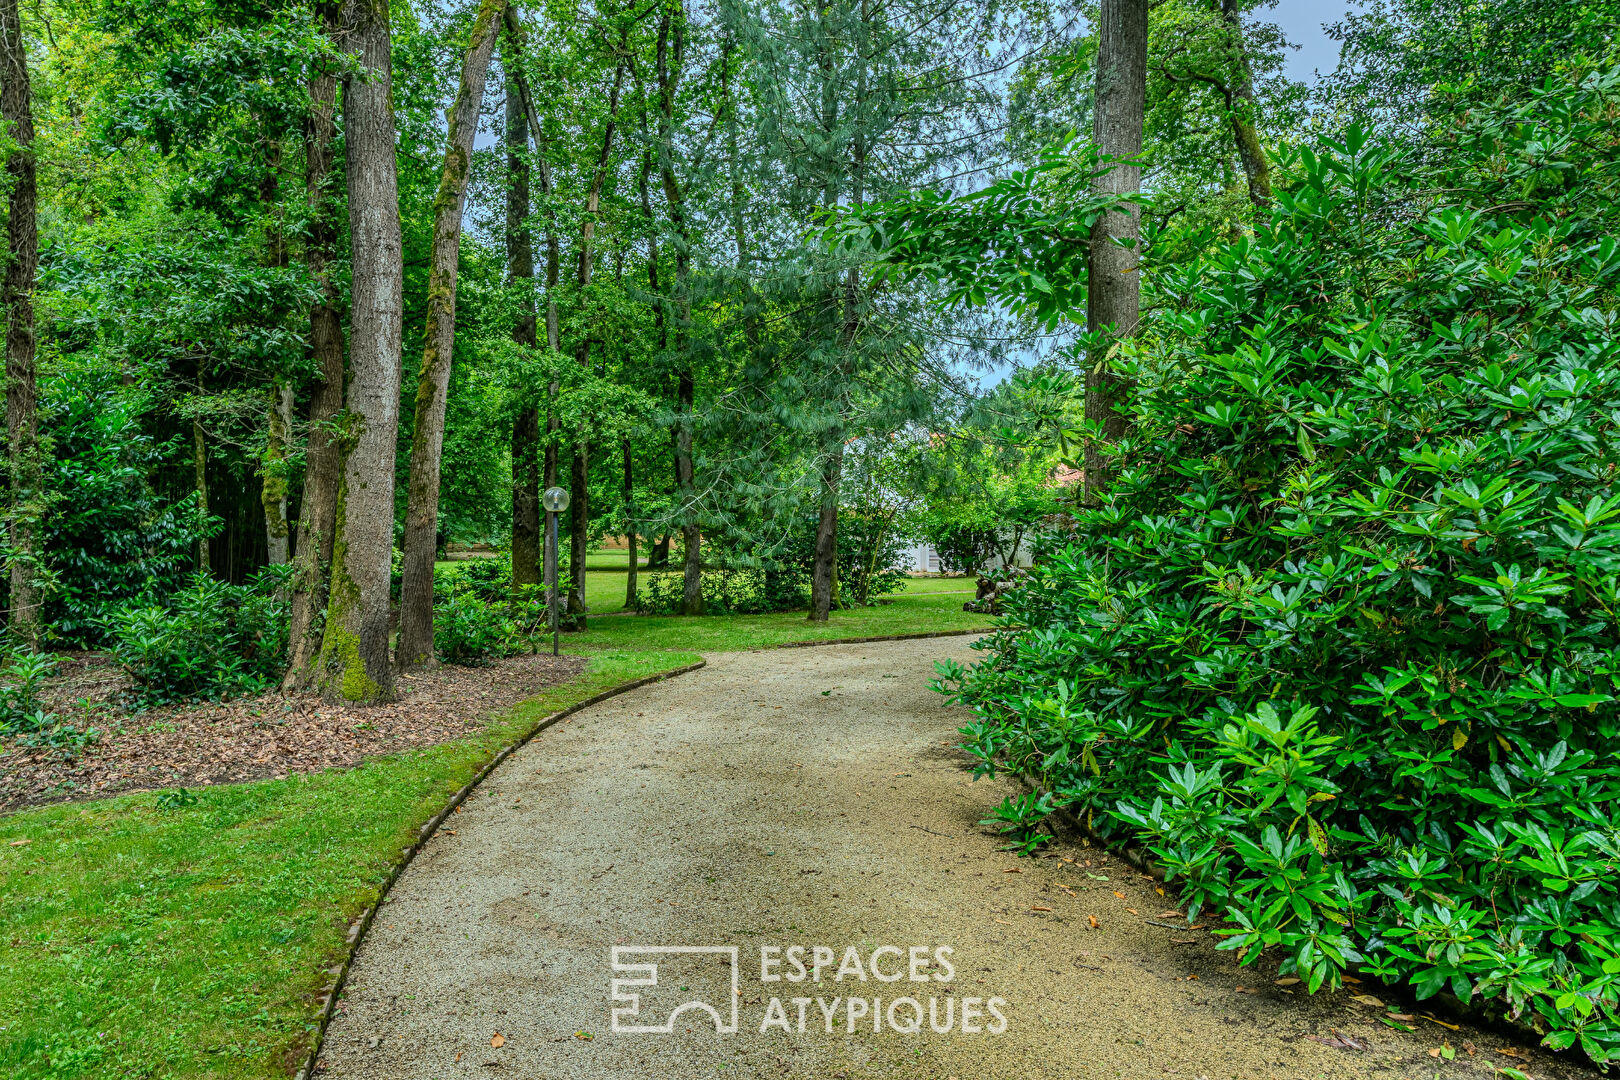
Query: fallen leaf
{"x": 498, "y": 1041}
{"x": 458, "y": 1057}
{"x": 1133, "y": 911}
{"x": 1003, "y": 922}
{"x": 1093, "y": 919}
{"x": 1244, "y": 990}
{"x": 584, "y": 1036}
{"x": 1368, "y": 999}
{"x": 1012, "y": 870}
{"x": 1442, "y": 1023}
{"x": 1351, "y": 979}
{"x": 1039, "y": 907}
{"x": 1514, "y": 1052}
{"x": 1339, "y": 1040}
{"x": 1290, "y": 981}
{"x": 1158, "y": 890}
{"x": 1119, "y": 894}
{"x": 1402, "y": 1016}
{"x": 1171, "y": 915}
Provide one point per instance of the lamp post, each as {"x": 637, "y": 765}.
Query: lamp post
{"x": 555, "y": 500}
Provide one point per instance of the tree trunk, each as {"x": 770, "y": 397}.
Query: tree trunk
{"x": 579, "y": 512}
{"x": 671, "y": 49}
{"x": 427, "y": 442}
{"x": 821, "y": 577}
{"x": 1113, "y": 287}
{"x": 273, "y": 474}
{"x": 579, "y": 520}
{"x": 520, "y": 272}
{"x": 199, "y": 468}
{"x": 629, "y": 529}
{"x": 1240, "y": 104}
{"x": 525, "y": 103}
{"x": 354, "y": 651}
{"x": 22, "y": 414}
{"x": 317, "y": 515}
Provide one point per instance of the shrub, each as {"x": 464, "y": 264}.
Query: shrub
{"x": 21, "y": 711}
{"x": 726, "y": 592}
{"x": 209, "y": 640}
{"x": 109, "y": 538}
{"x": 476, "y": 618}
{"x": 1342, "y": 643}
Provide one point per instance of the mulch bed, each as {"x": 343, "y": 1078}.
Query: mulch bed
{"x": 250, "y": 738}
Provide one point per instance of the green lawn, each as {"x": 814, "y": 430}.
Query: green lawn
{"x": 906, "y": 614}
{"x": 138, "y": 942}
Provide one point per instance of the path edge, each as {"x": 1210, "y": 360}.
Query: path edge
{"x": 358, "y": 928}
{"x": 880, "y": 637}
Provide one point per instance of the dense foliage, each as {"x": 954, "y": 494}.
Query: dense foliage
{"x": 1341, "y": 644}
{"x": 210, "y": 639}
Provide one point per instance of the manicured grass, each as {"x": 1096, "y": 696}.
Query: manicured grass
{"x": 140, "y": 942}
{"x": 907, "y": 614}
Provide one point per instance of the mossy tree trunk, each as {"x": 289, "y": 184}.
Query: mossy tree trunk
{"x": 427, "y": 444}
{"x": 355, "y": 663}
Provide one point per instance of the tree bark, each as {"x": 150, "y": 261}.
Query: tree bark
{"x": 1113, "y": 286}
{"x": 520, "y": 272}
{"x": 826, "y": 559}
{"x": 199, "y": 469}
{"x": 317, "y": 516}
{"x": 1240, "y": 104}
{"x": 273, "y": 474}
{"x": 433, "y": 382}
{"x": 22, "y": 262}
{"x": 355, "y": 663}
{"x": 629, "y": 528}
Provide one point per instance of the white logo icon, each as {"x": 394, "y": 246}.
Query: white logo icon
{"x": 646, "y": 975}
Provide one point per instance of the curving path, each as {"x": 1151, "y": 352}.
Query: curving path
{"x": 808, "y": 797}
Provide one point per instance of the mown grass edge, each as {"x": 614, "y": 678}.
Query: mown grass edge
{"x": 362, "y": 923}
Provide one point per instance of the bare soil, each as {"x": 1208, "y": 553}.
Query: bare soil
{"x": 248, "y": 738}
{"x": 812, "y": 797}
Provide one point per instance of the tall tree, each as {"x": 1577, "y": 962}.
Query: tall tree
{"x": 670, "y": 58}
{"x": 1113, "y": 286}
{"x": 22, "y": 260}
{"x": 427, "y": 445}
{"x": 579, "y": 514}
{"x": 520, "y": 271}
{"x": 323, "y": 460}
{"x": 355, "y": 663}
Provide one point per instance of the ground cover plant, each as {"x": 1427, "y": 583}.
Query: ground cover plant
{"x": 1340, "y": 643}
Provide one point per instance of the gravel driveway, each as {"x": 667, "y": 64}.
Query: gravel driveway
{"x": 804, "y": 805}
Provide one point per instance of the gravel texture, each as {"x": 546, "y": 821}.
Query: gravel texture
{"x": 812, "y": 797}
